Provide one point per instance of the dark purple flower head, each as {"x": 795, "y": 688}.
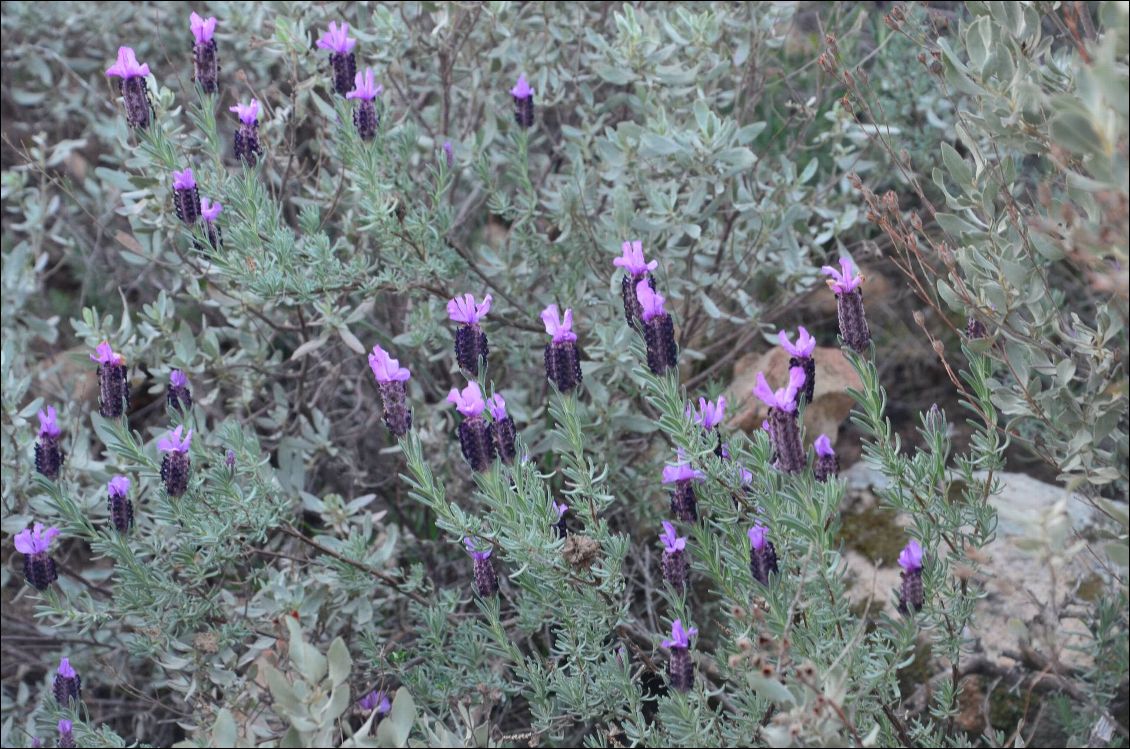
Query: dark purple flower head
{"x": 376, "y": 700}
{"x": 66, "y": 670}
{"x": 709, "y": 413}
{"x": 48, "y": 426}
{"x": 184, "y": 180}
{"x": 202, "y": 28}
{"x": 650, "y": 301}
{"x": 448, "y": 154}
{"x": 176, "y": 441}
{"x": 337, "y": 39}
{"x": 177, "y": 378}
{"x": 470, "y": 543}
{"x": 681, "y": 472}
{"x": 118, "y": 486}
{"x": 497, "y": 407}
{"x": 757, "y": 536}
{"x": 468, "y": 401}
{"x": 365, "y": 86}
{"x": 783, "y": 399}
{"x": 104, "y": 354}
{"x": 66, "y": 737}
{"x": 632, "y": 259}
{"x": 842, "y": 281}
{"x": 823, "y": 446}
{"x": 561, "y": 328}
{"x": 672, "y": 541}
{"x": 463, "y": 309}
{"x": 560, "y": 509}
{"x": 229, "y": 459}
{"x": 127, "y": 67}
{"x": 680, "y": 637}
{"x": 35, "y": 540}
{"x": 248, "y": 113}
{"x": 210, "y": 211}
{"x": 522, "y": 90}
{"x": 805, "y": 343}
{"x": 385, "y": 368}
{"x": 910, "y": 559}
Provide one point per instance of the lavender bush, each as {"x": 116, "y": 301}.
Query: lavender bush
{"x": 221, "y": 528}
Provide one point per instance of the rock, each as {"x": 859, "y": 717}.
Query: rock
{"x": 830, "y": 406}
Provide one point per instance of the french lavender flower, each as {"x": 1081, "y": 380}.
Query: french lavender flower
{"x": 674, "y": 560}
{"x": 762, "y": 555}
{"x": 448, "y": 154}
{"x": 210, "y": 211}
{"x": 113, "y": 387}
{"x": 636, "y": 269}
{"x": 229, "y": 459}
{"x": 523, "y": 102}
{"x": 827, "y": 465}
{"x": 131, "y": 83}
{"x": 912, "y": 597}
{"x": 176, "y": 463}
{"x": 975, "y": 329}
{"x": 344, "y": 64}
{"x": 784, "y": 431}
{"x": 178, "y": 396}
{"x": 800, "y": 355}
{"x": 501, "y": 429}
{"x": 486, "y": 581}
{"x": 390, "y": 378}
{"x": 365, "y": 117}
{"x": 66, "y": 736}
{"x": 708, "y": 416}
{"x": 562, "y": 362}
{"x": 680, "y": 667}
{"x": 67, "y": 686}
{"x": 474, "y": 436}
{"x": 34, "y": 543}
{"x": 684, "y": 504}
{"x": 48, "y": 455}
{"x": 205, "y": 61}
{"x": 121, "y": 507}
{"x": 36, "y": 742}
{"x": 186, "y": 198}
{"x": 470, "y": 340}
{"x": 561, "y": 526}
{"x": 658, "y": 329}
{"x": 247, "y": 148}
{"x": 849, "y": 305}
{"x": 376, "y": 700}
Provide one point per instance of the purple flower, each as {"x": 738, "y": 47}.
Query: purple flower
{"x": 337, "y": 39}
{"x": 177, "y": 378}
{"x": 35, "y": 540}
{"x": 842, "y": 281}
{"x": 522, "y": 89}
{"x": 127, "y": 67}
{"x": 486, "y": 581}
{"x": 229, "y": 459}
{"x": 104, "y": 354}
{"x": 178, "y": 396}
{"x": 176, "y": 441}
{"x": 184, "y": 180}
{"x": 118, "y": 486}
{"x": 709, "y": 414}
{"x": 365, "y": 86}
{"x": 385, "y": 368}
{"x": 745, "y": 475}
{"x": 471, "y": 544}
{"x": 448, "y": 154}
{"x": 672, "y": 541}
{"x": 523, "y": 103}
{"x": 805, "y": 343}
{"x": 651, "y": 302}
{"x": 681, "y": 472}
{"x": 469, "y": 401}
{"x": 67, "y": 686}
{"x": 680, "y": 637}
{"x": 823, "y": 446}
{"x": 560, "y": 509}
{"x": 48, "y": 426}
{"x": 248, "y": 113}
{"x": 910, "y": 559}
{"x": 497, "y": 407}
{"x": 66, "y": 737}
{"x": 202, "y": 28}
{"x": 210, "y": 211}
{"x": 632, "y": 259}
{"x": 561, "y": 328}
{"x": 783, "y": 399}
{"x": 757, "y": 536}
{"x": 463, "y": 309}
{"x": 376, "y": 700}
